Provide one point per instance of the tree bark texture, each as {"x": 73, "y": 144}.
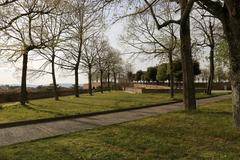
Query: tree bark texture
{"x": 24, "y": 95}
{"x": 171, "y": 74}
{"x": 55, "y": 89}
{"x": 187, "y": 65}
{"x": 231, "y": 24}
{"x": 90, "y": 81}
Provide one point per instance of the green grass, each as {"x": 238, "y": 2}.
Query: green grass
{"x": 205, "y": 134}
{"x": 69, "y": 105}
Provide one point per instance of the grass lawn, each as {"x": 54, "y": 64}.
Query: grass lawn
{"x": 204, "y": 134}
{"x": 47, "y": 108}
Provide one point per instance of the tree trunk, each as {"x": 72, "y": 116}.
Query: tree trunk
{"x": 211, "y": 76}
{"x": 115, "y": 80}
{"x": 168, "y": 83}
{"x": 108, "y": 80}
{"x": 90, "y": 81}
{"x": 76, "y": 86}
{"x": 232, "y": 30}
{"x": 101, "y": 80}
{"x": 187, "y": 64}
{"x": 24, "y": 96}
{"x": 54, "y": 79}
{"x": 171, "y": 77}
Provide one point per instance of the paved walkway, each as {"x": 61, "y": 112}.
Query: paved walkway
{"x": 18, "y": 134}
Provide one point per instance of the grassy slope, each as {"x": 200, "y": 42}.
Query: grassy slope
{"x": 205, "y": 134}
{"x": 46, "y": 108}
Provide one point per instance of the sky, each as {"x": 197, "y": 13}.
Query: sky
{"x": 12, "y": 76}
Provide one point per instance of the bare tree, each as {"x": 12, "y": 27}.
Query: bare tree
{"x": 54, "y": 31}
{"x": 210, "y": 29}
{"x": 89, "y": 57}
{"x": 87, "y": 19}
{"x": 108, "y": 63}
{"x": 144, "y": 37}
{"x": 116, "y": 65}
{"x": 25, "y": 35}
{"x": 102, "y": 48}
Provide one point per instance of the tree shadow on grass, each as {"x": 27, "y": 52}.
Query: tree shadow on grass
{"x": 212, "y": 113}
{"x": 78, "y": 103}
{"x": 38, "y": 109}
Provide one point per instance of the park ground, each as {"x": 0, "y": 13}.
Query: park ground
{"x": 204, "y": 134}
{"x": 69, "y": 105}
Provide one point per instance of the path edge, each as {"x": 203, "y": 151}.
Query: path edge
{"x": 84, "y": 115}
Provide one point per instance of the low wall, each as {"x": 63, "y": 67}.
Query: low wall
{"x": 134, "y": 90}
{"x": 168, "y": 91}
{"x": 216, "y": 86}
{"x": 15, "y": 96}
{"x": 143, "y": 90}
{"x": 150, "y": 86}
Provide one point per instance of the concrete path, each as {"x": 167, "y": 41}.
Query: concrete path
{"x": 18, "y": 134}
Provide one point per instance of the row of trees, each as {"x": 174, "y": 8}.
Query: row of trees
{"x": 66, "y": 35}
{"x": 157, "y": 27}
{"x": 144, "y": 76}
{"x": 161, "y": 73}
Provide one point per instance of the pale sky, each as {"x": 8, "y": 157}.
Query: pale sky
{"x": 10, "y": 75}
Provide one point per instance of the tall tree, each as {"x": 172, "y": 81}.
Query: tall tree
{"x": 54, "y": 29}
{"x": 186, "y": 53}
{"x": 86, "y": 16}
{"x": 228, "y": 12}
{"x": 24, "y": 35}
{"x": 208, "y": 27}
{"x": 115, "y": 63}
{"x": 102, "y": 48}
{"x": 89, "y": 57}
{"x": 143, "y": 36}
